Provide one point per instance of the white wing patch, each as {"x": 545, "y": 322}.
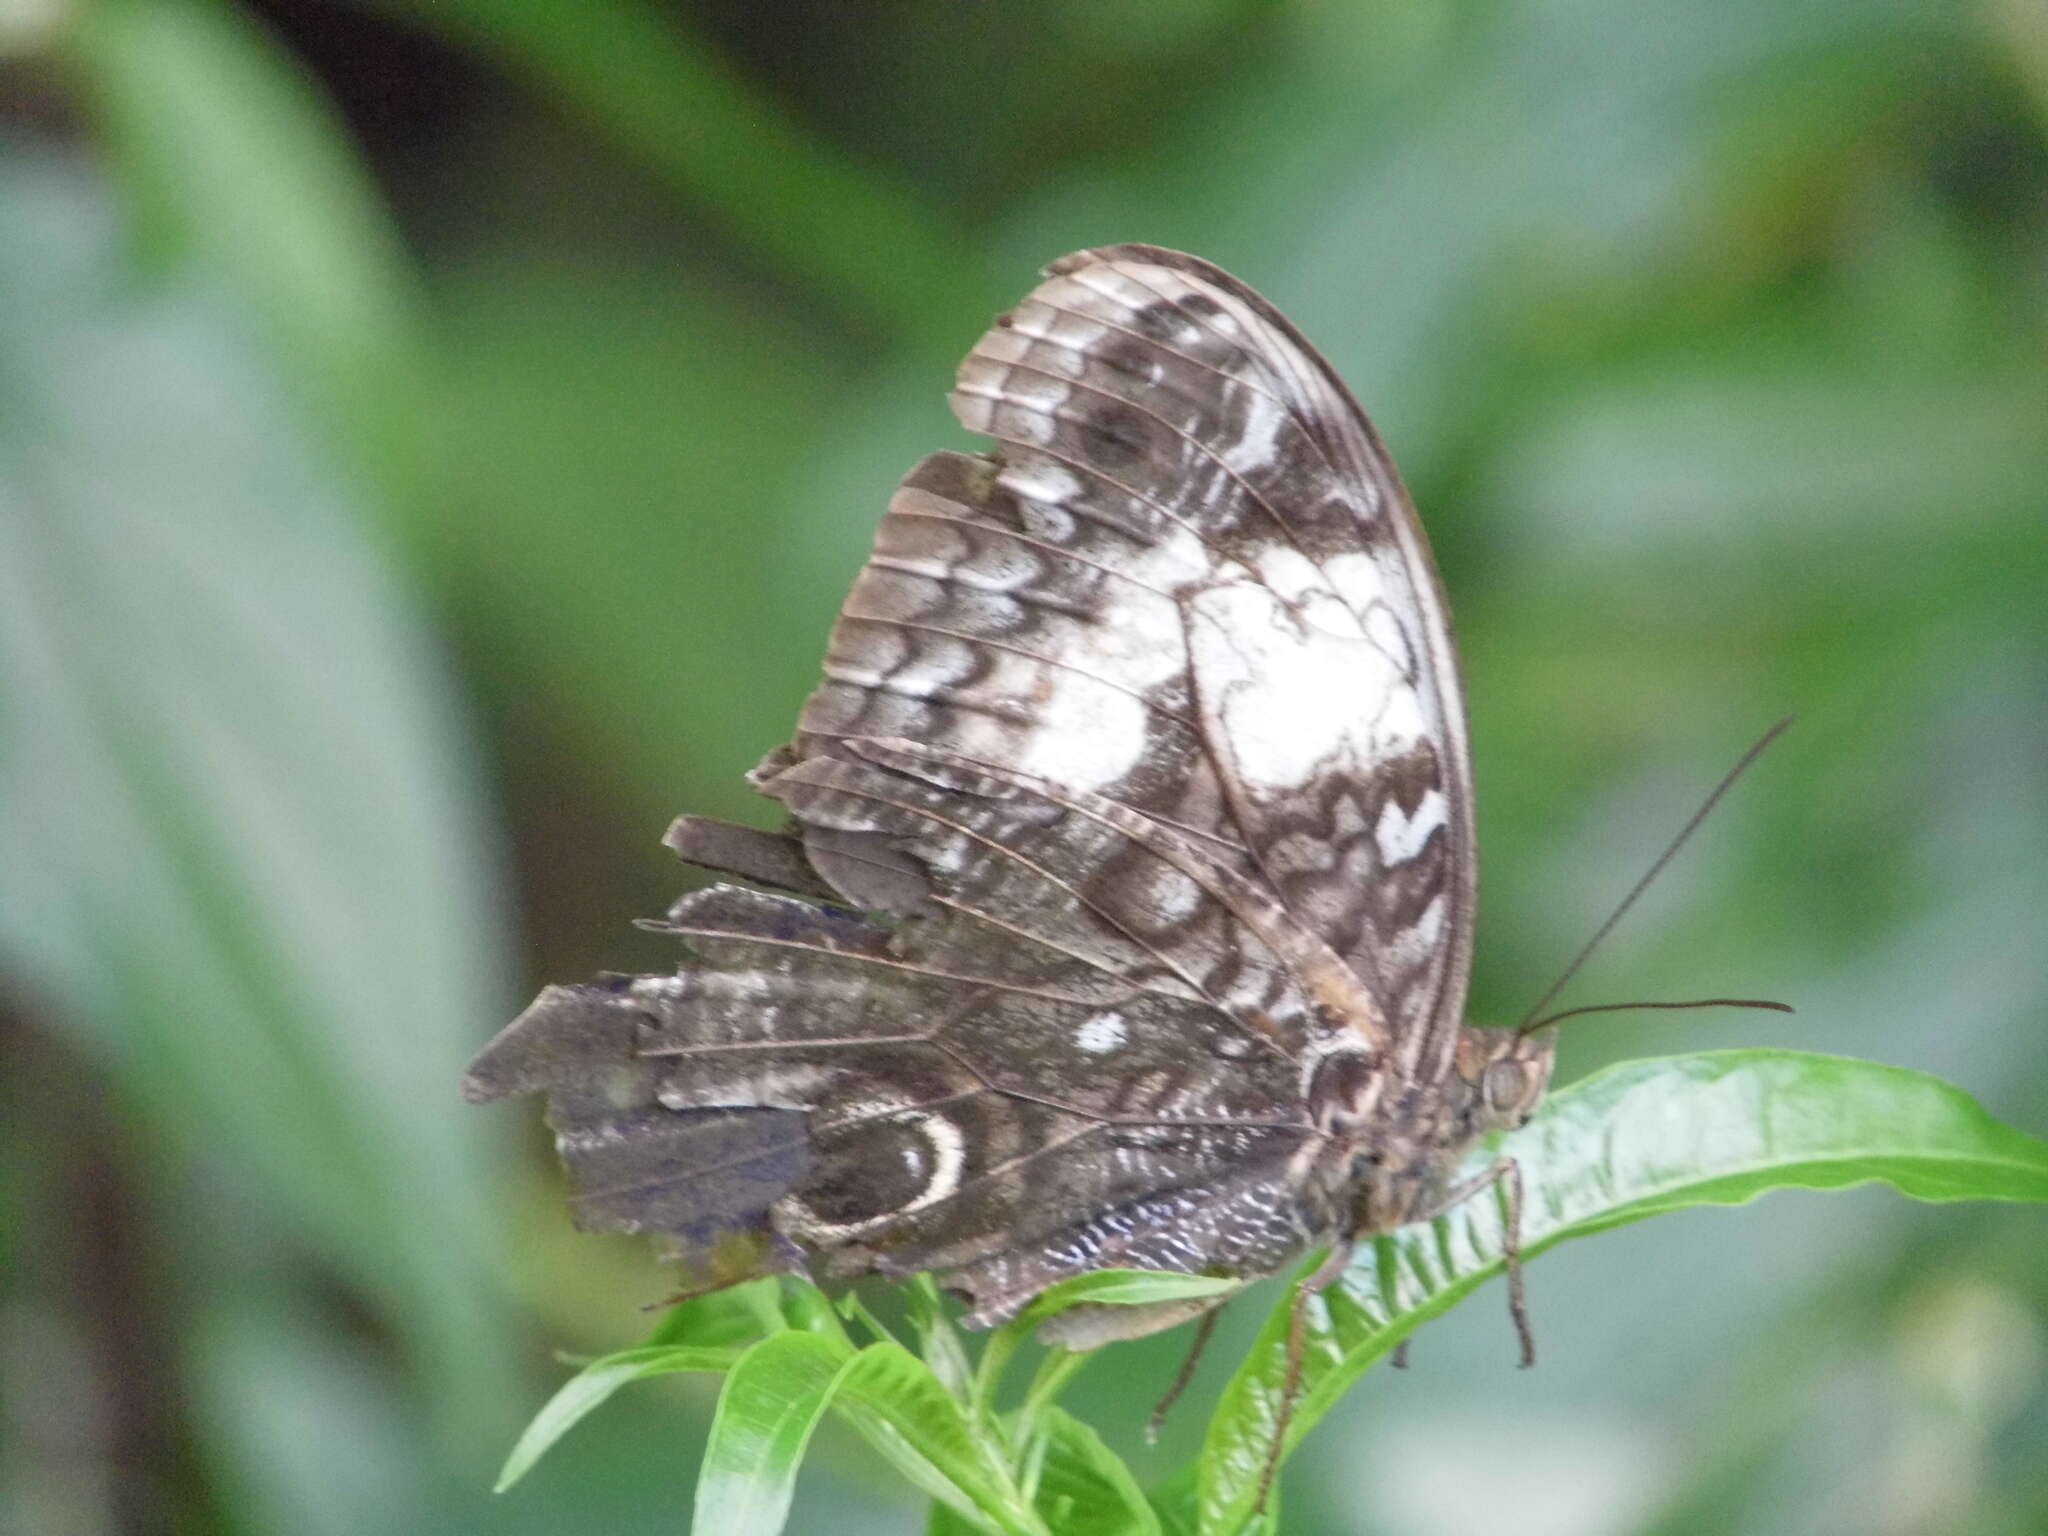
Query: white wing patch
{"x": 1086, "y": 736}
{"x": 1101, "y": 1034}
{"x": 1040, "y": 479}
{"x": 1290, "y": 696}
{"x": 1402, "y": 837}
{"x": 1093, "y": 724}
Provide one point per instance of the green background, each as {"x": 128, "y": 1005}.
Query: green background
{"x": 434, "y": 438}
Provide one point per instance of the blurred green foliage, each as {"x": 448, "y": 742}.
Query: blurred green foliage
{"x": 434, "y": 438}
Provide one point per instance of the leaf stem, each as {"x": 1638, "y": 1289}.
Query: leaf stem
{"x": 1059, "y": 1367}
{"x": 996, "y": 1356}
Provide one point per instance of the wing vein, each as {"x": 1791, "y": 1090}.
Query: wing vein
{"x": 1080, "y": 899}
{"x": 920, "y": 970}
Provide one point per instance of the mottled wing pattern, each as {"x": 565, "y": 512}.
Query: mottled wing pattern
{"x": 1187, "y": 579}
{"x": 997, "y": 1089}
{"x": 1140, "y": 771}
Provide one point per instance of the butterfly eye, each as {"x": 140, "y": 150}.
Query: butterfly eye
{"x": 1504, "y": 1086}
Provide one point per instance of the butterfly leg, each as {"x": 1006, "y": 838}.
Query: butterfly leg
{"x": 1326, "y": 1275}
{"x": 1507, "y": 1173}
{"x": 1183, "y": 1376}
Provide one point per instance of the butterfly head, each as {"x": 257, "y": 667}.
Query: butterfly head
{"x": 1499, "y": 1078}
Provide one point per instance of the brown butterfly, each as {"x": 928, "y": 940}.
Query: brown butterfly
{"x": 1123, "y": 915}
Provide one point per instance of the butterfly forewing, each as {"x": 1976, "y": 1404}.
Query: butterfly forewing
{"x": 1188, "y": 579}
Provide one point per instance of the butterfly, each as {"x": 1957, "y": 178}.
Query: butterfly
{"x": 1122, "y": 915}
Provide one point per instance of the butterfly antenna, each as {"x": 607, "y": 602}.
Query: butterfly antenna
{"x": 1705, "y": 1002}
{"x": 1706, "y": 809}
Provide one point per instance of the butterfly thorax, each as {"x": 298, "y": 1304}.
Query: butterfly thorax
{"x": 1395, "y": 1144}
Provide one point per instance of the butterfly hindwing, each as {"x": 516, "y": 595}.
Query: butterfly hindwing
{"x": 934, "y": 1141}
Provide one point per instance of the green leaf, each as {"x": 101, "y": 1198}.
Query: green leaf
{"x": 1177, "y": 1505}
{"x": 855, "y": 1310}
{"x": 938, "y": 1340}
{"x": 771, "y": 1404}
{"x": 1175, "y": 1502}
{"x": 1082, "y": 1487}
{"x": 903, "y": 1410}
{"x": 1720, "y": 1128}
{"x": 1121, "y": 1288}
{"x": 589, "y": 1387}
{"x": 806, "y": 1307}
{"x": 1109, "y": 1287}
{"x": 727, "y": 1319}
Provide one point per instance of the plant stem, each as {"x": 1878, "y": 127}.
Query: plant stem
{"x": 1054, "y": 1372}
{"x": 988, "y": 1371}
